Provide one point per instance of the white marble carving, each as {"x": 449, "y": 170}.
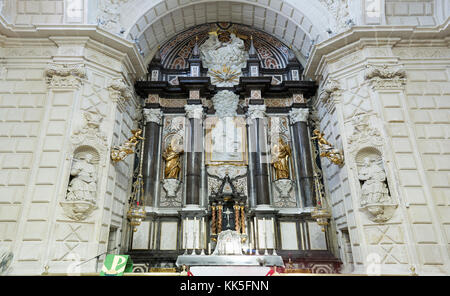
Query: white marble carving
{"x": 65, "y": 75}
{"x": 374, "y": 192}
{"x": 385, "y": 77}
{"x": 152, "y": 115}
{"x": 224, "y": 60}
{"x": 171, "y": 187}
{"x": 256, "y": 111}
{"x": 81, "y": 197}
{"x": 90, "y": 133}
{"x": 225, "y": 103}
{"x": 109, "y": 15}
{"x": 119, "y": 90}
{"x": 364, "y": 134}
{"x": 298, "y": 114}
{"x": 237, "y": 174}
{"x": 340, "y": 11}
{"x": 283, "y": 197}
{"x": 228, "y": 243}
{"x": 194, "y": 111}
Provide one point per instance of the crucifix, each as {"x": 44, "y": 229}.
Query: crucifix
{"x": 228, "y": 214}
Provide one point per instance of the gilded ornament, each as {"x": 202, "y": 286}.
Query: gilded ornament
{"x": 118, "y": 153}
{"x": 282, "y": 152}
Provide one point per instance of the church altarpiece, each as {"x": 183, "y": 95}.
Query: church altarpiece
{"x": 227, "y": 152}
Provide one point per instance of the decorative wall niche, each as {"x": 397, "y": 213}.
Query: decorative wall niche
{"x": 82, "y": 191}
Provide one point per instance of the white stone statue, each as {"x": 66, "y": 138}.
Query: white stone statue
{"x": 83, "y": 186}
{"x": 225, "y": 103}
{"x": 374, "y": 189}
{"x": 224, "y": 60}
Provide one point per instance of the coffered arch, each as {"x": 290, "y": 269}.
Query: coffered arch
{"x": 299, "y": 25}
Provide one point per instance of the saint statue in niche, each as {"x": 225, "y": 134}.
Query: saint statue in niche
{"x": 281, "y": 153}
{"x": 374, "y": 189}
{"x": 172, "y": 157}
{"x": 83, "y": 186}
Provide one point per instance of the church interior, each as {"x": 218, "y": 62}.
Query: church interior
{"x": 203, "y": 137}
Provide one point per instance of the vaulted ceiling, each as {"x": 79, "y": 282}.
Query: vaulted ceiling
{"x": 301, "y": 25}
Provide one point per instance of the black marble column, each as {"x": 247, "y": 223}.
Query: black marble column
{"x": 194, "y": 149}
{"x": 303, "y": 158}
{"x": 258, "y": 154}
{"x": 151, "y": 156}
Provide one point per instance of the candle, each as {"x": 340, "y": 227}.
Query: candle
{"x": 195, "y": 233}
{"x": 272, "y": 234}
{"x": 256, "y": 236}
{"x": 209, "y": 248}
{"x": 204, "y": 232}
{"x": 265, "y": 233}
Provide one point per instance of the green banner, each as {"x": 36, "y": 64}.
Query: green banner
{"x": 116, "y": 265}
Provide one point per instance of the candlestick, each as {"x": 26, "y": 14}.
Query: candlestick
{"x": 256, "y": 236}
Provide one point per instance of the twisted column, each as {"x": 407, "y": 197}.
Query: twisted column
{"x": 237, "y": 224}
{"x": 242, "y": 219}
{"x": 213, "y": 219}
{"x": 219, "y": 218}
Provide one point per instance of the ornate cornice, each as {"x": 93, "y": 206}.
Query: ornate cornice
{"x": 385, "y": 76}
{"x": 65, "y": 75}
{"x": 152, "y": 115}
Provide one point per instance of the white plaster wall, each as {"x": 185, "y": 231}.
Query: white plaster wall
{"x": 413, "y": 120}
{"x": 36, "y": 124}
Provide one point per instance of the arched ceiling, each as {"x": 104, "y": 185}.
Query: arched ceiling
{"x": 300, "y": 25}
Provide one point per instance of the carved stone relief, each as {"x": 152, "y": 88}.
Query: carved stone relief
{"x": 365, "y": 144}
{"x": 225, "y": 103}
{"x": 238, "y": 174}
{"x": 385, "y": 76}
{"x": 65, "y": 75}
{"x": 81, "y": 196}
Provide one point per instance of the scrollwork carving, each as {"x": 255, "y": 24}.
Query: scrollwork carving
{"x": 385, "y": 77}
{"x": 65, "y": 75}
